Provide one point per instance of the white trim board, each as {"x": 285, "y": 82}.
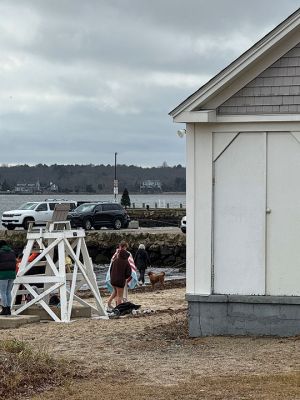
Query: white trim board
{"x": 210, "y": 116}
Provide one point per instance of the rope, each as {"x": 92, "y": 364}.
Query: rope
{"x": 177, "y": 265}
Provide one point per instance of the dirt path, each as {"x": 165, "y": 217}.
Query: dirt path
{"x": 151, "y": 357}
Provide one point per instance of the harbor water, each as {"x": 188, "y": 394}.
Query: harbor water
{"x": 171, "y": 274}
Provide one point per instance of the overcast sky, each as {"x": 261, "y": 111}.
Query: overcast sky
{"x": 82, "y": 79}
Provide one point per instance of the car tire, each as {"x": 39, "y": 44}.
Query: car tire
{"x": 87, "y": 224}
{"x": 117, "y": 224}
{"x": 10, "y": 227}
{"x": 26, "y": 223}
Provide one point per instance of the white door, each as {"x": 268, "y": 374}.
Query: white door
{"x": 239, "y": 216}
{"x": 283, "y": 221}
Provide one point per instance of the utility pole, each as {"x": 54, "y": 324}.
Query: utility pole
{"x": 116, "y": 190}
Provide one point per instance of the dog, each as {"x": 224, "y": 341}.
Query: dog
{"x": 155, "y": 278}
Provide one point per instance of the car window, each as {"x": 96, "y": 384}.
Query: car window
{"x": 85, "y": 208}
{"x": 114, "y": 207}
{"x": 72, "y": 206}
{"x": 106, "y": 207}
{"x": 42, "y": 207}
{"x": 28, "y": 206}
{"x": 52, "y": 206}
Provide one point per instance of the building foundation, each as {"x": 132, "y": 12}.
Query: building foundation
{"x": 243, "y": 315}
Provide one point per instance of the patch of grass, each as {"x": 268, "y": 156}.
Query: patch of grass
{"x": 13, "y": 346}
{"x": 283, "y": 386}
{"x": 177, "y": 329}
{"x": 24, "y": 370}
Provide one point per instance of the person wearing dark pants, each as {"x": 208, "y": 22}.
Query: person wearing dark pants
{"x": 7, "y": 276}
{"x": 142, "y": 261}
{"x": 120, "y": 271}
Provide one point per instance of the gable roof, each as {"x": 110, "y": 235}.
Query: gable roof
{"x": 220, "y": 81}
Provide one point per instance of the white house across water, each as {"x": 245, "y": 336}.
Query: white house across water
{"x": 243, "y": 192}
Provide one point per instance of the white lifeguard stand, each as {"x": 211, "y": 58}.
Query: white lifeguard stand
{"x": 57, "y": 240}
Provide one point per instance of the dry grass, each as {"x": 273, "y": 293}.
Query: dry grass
{"x": 152, "y": 357}
{"x": 177, "y": 329}
{"x": 262, "y": 387}
{"x": 24, "y": 370}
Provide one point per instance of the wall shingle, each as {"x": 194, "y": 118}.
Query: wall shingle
{"x": 275, "y": 90}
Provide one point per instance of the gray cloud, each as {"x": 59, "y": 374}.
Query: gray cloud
{"x": 83, "y": 79}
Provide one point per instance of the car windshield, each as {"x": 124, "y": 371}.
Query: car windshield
{"x": 85, "y": 208}
{"x": 28, "y": 206}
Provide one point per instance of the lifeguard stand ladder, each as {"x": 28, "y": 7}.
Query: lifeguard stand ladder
{"x": 60, "y": 240}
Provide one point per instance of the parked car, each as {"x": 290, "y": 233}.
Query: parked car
{"x": 38, "y": 212}
{"x": 183, "y": 224}
{"x": 98, "y": 215}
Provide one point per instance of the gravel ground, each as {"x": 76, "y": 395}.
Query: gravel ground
{"x": 151, "y": 357}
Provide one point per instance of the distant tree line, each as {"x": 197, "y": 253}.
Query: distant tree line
{"x": 93, "y": 178}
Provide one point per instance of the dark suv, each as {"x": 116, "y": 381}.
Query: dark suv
{"x": 97, "y": 215}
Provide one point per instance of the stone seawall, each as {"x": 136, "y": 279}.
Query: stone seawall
{"x": 157, "y": 216}
{"x": 164, "y": 248}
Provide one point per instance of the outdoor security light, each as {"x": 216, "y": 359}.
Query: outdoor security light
{"x": 181, "y": 133}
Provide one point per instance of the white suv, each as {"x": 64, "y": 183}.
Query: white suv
{"x": 38, "y": 212}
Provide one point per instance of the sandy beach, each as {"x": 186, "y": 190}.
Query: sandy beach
{"x": 150, "y": 356}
